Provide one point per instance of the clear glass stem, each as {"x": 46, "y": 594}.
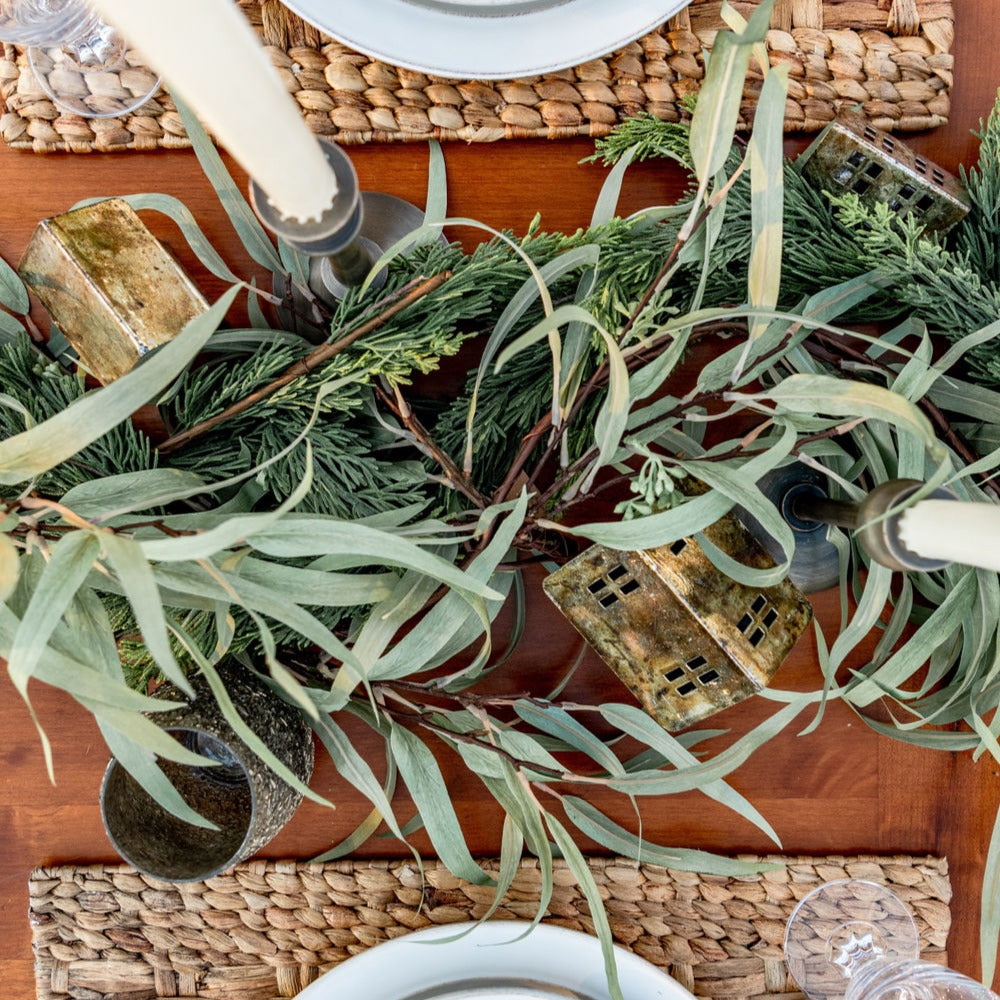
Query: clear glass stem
{"x": 913, "y": 979}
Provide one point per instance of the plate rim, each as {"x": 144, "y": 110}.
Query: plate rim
{"x": 361, "y": 25}
{"x": 540, "y": 951}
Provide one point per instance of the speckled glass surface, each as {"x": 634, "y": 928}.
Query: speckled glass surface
{"x": 241, "y": 796}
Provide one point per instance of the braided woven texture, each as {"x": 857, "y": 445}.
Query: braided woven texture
{"x": 892, "y": 57}
{"x": 268, "y": 929}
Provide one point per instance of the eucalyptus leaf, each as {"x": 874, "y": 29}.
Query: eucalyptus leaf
{"x": 44, "y": 445}
{"x": 10, "y": 564}
{"x": 13, "y": 294}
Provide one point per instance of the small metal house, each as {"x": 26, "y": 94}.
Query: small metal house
{"x": 686, "y": 639}
{"x": 109, "y": 285}
{"x": 852, "y": 155}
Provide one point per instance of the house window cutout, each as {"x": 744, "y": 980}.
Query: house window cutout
{"x": 679, "y": 546}
{"x": 696, "y": 663}
{"x": 874, "y": 171}
{"x": 870, "y": 133}
{"x": 925, "y": 204}
{"x": 709, "y": 676}
{"x": 688, "y": 687}
{"x": 888, "y": 143}
{"x": 676, "y": 674}
{"x": 757, "y": 621}
{"x": 861, "y": 186}
{"x": 617, "y": 583}
{"x": 857, "y": 159}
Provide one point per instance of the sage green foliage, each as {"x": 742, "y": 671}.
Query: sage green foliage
{"x": 317, "y": 522}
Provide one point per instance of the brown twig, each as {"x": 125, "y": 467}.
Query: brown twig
{"x": 453, "y": 475}
{"x": 307, "y": 364}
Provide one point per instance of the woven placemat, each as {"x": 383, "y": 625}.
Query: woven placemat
{"x": 892, "y": 57}
{"x": 268, "y": 929}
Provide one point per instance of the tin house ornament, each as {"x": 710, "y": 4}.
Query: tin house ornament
{"x": 109, "y": 285}
{"x": 850, "y": 155}
{"x": 686, "y": 639}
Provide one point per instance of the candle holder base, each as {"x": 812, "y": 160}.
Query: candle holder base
{"x": 386, "y": 220}
{"x": 815, "y": 565}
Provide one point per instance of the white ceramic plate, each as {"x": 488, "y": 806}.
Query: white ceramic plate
{"x": 486, "y": 39}
{"x": 490, "y": 963}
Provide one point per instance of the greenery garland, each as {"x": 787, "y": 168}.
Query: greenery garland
{"x": 243, "y": 542}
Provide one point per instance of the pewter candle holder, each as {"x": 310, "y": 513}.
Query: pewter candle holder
{"x": 800, "y": 495}
{"x": 345, "y": 241}
{"x": 244, "y": 798}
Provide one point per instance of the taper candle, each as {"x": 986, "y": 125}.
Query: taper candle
{"x": 208, "y": 54}
{"x": 959, "y": 532}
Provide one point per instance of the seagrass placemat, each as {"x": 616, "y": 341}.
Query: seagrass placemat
{"x": 891, "y": 57}
{"x": 268, "y": 929}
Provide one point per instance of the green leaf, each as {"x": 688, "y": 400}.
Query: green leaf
{"x": 989, "y": 917}
{"x": 13, "y": 294}
{"x": 352, "y": 767}
{"x": 592, "y": 823}
{"x": 360, "y": 545}
{"x": 137, "y": 580}
{"x": 640, "y": 726}
{"x": 10, "y": 328}
{"x": 422, "y": 775}
{"x": 136, "y": 759}
{"x": 558, "y": 722}
{"x": 240, "y": 727}
{"x": 255, "y": 239}
{"x": 10, "y": 565}
{"x": 100, "y": 499}
{"x": 838, "y": 397}
{"x": 724, "y": 763}
{"x": 69, "y": 565}
{"x": 766, "y": 155}
{"x": 436, "y": 205}
{"x": 34, "y": 451}
{"x": 585, "y": 879}
{"x": 367, "y": 828}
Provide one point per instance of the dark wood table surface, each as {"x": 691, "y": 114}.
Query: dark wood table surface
{"x": 839, "y": 790}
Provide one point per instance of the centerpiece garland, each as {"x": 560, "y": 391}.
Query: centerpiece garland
{"x": 344, "y": 539}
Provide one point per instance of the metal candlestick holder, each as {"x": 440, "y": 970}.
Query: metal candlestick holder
{"x": 343, "y": 244}
{"x": 245, "y": 799}
{"x": 800, "y": 495}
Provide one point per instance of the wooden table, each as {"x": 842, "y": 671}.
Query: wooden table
{"x": 840, "y": 789}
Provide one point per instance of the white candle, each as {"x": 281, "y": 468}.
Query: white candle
{"x": 207, "y": 52}
{"x": 959, "y": 532}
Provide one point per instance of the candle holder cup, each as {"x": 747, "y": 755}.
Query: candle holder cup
{"x": 246, "y": 800}
{"x": 800, "y": 494}
{"x": 343, "y": 244}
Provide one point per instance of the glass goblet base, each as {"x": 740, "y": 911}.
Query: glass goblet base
{"x": 96, "y": 77}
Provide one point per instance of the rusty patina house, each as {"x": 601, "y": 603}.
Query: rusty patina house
{"x": 852, "y": 155}
{"x": 685, "y": 638}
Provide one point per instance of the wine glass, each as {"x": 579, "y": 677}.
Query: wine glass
{"x": 79, "y": 60}
{"x": 856, "y": 939}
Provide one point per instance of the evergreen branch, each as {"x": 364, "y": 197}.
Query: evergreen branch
{"x": 308, "y": 364}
